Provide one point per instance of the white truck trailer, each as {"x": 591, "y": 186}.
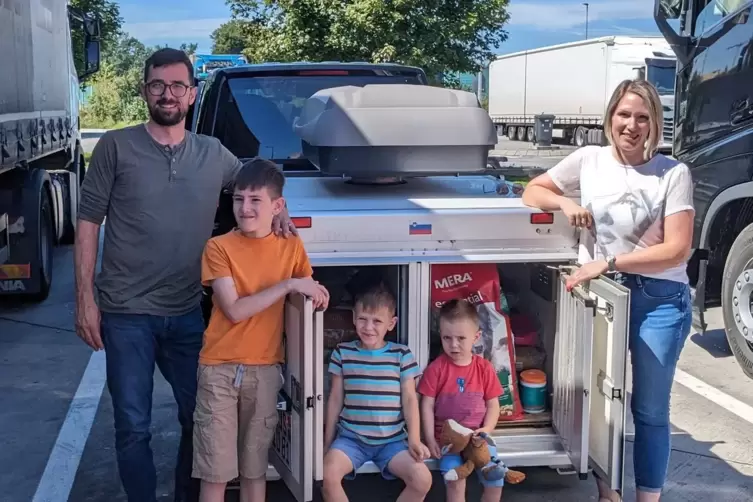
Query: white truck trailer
{"x": 41, "y": 158}
{"x": 574, "y": 82}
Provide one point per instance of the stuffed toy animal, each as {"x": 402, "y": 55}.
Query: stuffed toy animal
{"x": 474, "y": 450}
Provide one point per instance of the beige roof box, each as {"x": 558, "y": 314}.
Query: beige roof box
{"x": 395, "y": 130}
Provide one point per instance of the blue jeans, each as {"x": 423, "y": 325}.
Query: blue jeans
{"x": 359, "y": 452}
{"x": 134, "y": 343}
{"x": 660, "y": 320}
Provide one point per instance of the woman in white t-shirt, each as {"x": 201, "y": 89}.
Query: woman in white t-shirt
{"x": 636, "y": 220}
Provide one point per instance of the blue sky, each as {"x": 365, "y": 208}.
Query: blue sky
{"x": 535, "y": 23}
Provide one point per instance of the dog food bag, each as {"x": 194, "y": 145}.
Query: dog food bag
{"x": 479, "y": 283}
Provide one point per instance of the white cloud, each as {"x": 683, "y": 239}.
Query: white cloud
{"x": 560, "y": 15}
{"x": 186, "y": 30}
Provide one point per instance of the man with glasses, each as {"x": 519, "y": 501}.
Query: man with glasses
{"x": 158, "y": 185}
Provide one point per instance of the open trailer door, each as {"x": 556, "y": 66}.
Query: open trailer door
{"x": 572, "y": 371}
{"x": 609, "y": 361}
{"x": 292, "y": 451}
{"x": 319, "y": 376}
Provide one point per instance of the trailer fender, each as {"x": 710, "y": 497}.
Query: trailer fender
{"x": 32, "y": 235}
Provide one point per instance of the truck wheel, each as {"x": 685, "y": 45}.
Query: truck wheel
{"x": 530, "y": 134}
{"x": 581, "y": 137}
{"x": 737, "y": 299}
{"x": 521, "y": 136}
{"x": 45, "y": 246}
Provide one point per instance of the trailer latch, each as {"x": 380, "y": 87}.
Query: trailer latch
{"x": 606, "y": 387}
{"x": 608, "y": 311}
{"x": 309, "y": 402}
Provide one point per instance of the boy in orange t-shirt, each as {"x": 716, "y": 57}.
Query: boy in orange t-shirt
{"x": 250, "y": 270}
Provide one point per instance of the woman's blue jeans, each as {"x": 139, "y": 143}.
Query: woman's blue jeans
{"x": 660, "y": 320}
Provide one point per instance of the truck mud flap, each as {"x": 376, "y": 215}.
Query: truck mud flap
{"x": 698, "y": 299}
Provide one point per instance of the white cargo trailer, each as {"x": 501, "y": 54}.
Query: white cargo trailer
{"x": 399, "y": 229}
{"x": 574, "y": 82}
{"x": 349, "y": 229}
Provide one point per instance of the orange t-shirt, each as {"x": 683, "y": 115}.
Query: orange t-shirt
{"x": 254, "y": 265}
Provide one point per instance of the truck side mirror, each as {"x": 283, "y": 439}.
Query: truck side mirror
{"x": 666, "y": 10}
{"x": 92, "y": 44}
{"x": 85, "y": 33}
{"x": 92, "y": 56}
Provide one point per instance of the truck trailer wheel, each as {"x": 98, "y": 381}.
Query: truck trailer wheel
{"x": 581, "y": 137}
{"x": 737, "y": 299}
{"x": 45, "y": 248}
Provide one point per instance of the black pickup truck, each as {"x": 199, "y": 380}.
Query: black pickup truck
{"x": 252, "y": 109}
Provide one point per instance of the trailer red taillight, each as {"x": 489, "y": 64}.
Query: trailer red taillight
{"x": 542, "y": 218}
{"x": 301, "y": 221}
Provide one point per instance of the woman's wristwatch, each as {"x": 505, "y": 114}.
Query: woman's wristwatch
{"x": 611, "y": 263}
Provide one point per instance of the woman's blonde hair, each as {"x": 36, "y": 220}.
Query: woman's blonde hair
{"x": 646, "y": 91}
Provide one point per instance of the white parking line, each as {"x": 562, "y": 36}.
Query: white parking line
{"x": 714, "y": 395}
{"x": 60, "y": 472}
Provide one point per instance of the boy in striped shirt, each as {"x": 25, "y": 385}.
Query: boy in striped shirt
{"x": 372, "y": 410}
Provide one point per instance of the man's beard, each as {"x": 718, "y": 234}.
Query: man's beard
{"x": 166, "y": 118}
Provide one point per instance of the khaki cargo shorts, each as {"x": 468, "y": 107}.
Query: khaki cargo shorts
{"x": 234, "y": 421}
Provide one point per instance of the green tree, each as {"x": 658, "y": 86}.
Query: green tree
{"x": 437, "y": 36}
{"x": 116, "y": 89}
{"x": 230, "y": 37}
{"x": 187, "y": 48}
{"x": 104, "y": 105}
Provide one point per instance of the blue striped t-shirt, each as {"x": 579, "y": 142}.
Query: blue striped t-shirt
{"x": 372, "y": 407}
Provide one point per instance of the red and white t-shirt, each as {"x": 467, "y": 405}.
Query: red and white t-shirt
{"x": 460, "y": 392}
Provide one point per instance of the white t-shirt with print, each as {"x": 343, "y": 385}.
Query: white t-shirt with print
{"x": 628, "y": 203}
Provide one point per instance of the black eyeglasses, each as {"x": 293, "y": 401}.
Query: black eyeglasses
{"x": 157, "y": 88}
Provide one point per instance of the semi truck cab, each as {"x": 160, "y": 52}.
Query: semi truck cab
{"x": 713, "y": 42}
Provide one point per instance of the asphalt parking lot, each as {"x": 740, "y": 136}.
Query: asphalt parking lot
{"x": 56, "y": 421}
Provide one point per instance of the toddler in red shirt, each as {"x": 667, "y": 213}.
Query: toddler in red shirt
{"x": 461, "y": 386}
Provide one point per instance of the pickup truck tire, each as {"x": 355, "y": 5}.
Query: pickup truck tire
{"x": 737, "y": 286}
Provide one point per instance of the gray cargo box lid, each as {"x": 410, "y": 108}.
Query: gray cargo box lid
{"x": 395, "y": 129}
